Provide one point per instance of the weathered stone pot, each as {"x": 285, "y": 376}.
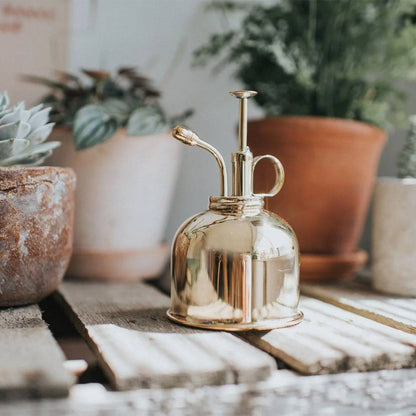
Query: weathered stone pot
{"x": 36, "y": 229}
{"x": 394, "y": 236}
{"x": 124, "y": 191}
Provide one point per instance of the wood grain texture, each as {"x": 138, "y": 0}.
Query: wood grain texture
{"x": 31, "y": 362}
{"x": 126, "y": 325}
{"x": 358, "y": 297}
{"x": 383, "y": 393}
{"x": 332, "y": 340}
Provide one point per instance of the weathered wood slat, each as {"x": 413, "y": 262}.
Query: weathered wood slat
{"x": 358, "y": 297}
{"x": 126, "y": 325}
{"x": 333, "y": 340}
{"x": 31, "y": 362}
{"x": 382, "y": 393}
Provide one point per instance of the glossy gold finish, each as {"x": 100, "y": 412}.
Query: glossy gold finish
{"x": 235, "y": 266}
{"x": 242, "y": 170}
{"x": 191, "y": 139}
{"x": 242, "y": 160}
{"x": 280, "y": 174}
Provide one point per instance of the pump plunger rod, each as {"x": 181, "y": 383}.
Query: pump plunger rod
{"x": 242, "y": 161}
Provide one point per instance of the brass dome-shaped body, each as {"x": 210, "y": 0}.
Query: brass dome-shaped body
{"x": 235, "y": 267}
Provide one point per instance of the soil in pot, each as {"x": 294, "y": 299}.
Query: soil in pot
{"x": 330, "y": 167}
{"x": 36, "y": 231}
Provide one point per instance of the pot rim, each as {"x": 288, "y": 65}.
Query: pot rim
{"x": 321, "y": 120}
{"x": 14, "y": 176}
{"x": 36, "y": 169}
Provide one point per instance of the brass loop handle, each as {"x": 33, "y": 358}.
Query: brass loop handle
{"x": 280, "y": 174}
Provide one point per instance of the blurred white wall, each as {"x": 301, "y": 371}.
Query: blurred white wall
{"x": 33, "y": 40}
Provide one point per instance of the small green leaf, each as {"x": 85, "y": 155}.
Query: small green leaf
{"x": 4, "y": 101}
{"x": 146, "y": 121}
{"x": 16, "y": 130}
{"x": 181, "y": 118}
{"x": 40, "y": 134}
{"x": 39, "y": 119}
{"x": 32, "y": 155}
{"x": 93, "y": 125}
{"x": 12, "y": 116}
{"x": 12, "y": 147}
{"x": 118, "y": 109}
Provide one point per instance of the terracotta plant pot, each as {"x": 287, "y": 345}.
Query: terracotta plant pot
{"x": 124, "y": 191}
{"x": 393, "y": 240}
{"x": 330, "y": 167}
{"x": 36, "y": 231}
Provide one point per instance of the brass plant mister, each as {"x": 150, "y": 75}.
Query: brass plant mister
{"x": 235, "y": 267}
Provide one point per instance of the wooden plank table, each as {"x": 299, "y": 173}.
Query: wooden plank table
{"x": 358, "y": 297}
{"x": 31, "y": 362}
{"x": 137, "y": 362}
{"x": 138, "y": 347}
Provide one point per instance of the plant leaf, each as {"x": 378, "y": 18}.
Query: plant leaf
{"x": 39, "y": 119}
{"x": 35, "y": 109}
{"x": 4, "y": 101}
{"x": 12, "y": 116}
{"x": 32, "y": 156}
{"x": 93, "y": 125}
{"x": 180, "y": 118}
{"x": 44, "y": 81}
{"x": 146, "y": 121}
{"x": 40, "y": 134}
{"x": 96, "y": 74}
{"x": 16, "y": 130}
{"x": 117, "y": 108}
{"x": 12, "y": 147}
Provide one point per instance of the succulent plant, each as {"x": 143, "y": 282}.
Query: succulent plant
{"x": 407, "y": 157}
{"x": 96, "y": 110}
{"x": 23, "y": 133}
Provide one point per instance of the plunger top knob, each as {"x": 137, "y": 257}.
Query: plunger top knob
{"x": 243, "y": 94}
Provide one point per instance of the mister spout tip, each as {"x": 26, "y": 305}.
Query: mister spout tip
{"x": 185, "y": 135}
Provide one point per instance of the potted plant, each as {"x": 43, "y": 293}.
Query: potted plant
{"x": 394, "y": 227}
{"x": 36, "y": 205}
{"x": 324, "y": 71}
{"x": 115, "y": 135}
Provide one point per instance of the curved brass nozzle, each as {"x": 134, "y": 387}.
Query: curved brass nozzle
{"x": 190, "y": 138}
{"x": 185, "y": 135}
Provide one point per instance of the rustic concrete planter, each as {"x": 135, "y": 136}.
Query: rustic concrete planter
{"x": 36, "y": 228}
{"x": 394, "y": 236}
{"x": 124, "y": 191}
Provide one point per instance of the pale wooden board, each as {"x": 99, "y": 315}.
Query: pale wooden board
{"x": 136, "y": 345}
{"x": 332, "y": 340}
{"x": 384, "y": 393}
{"x": 31, "y": 362}
{"x": 358, "y": 297}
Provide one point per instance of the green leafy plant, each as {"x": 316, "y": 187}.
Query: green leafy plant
{"x": 407, "y": 157}
{"x": 321, "y": 57}
{"x": 23, "y": 132}
{"x": 96, "y": 110}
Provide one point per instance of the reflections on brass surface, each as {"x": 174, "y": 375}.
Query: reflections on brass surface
{"x": 235, "y": 272}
